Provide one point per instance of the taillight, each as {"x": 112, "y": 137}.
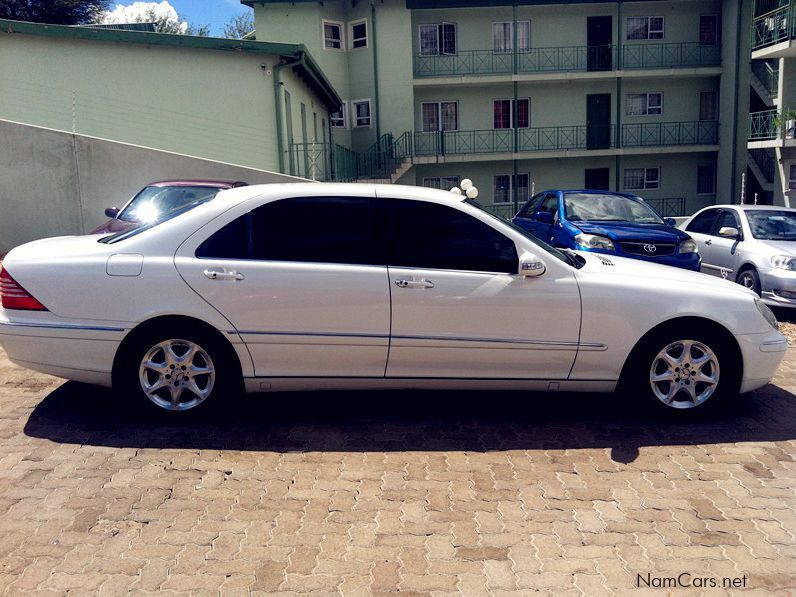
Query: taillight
{"x": 13, "y": 296}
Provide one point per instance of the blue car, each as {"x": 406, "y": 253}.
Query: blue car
{"x": 606, "y": 222}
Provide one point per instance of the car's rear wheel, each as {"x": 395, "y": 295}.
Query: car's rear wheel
{"x": 684, "y": 370}
{"x": 174, "y": 372}
{"x": 749, "y": 278}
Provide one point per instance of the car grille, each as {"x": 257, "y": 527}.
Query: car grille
{"x": 649, "y": 249}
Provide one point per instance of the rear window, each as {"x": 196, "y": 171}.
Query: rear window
{"x": 125, "y": 234}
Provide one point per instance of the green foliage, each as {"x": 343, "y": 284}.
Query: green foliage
{"x": 239, "y": 26}
{"x": 60, "y": 12}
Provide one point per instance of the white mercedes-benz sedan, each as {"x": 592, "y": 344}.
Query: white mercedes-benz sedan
{"x": 321, "y": 286}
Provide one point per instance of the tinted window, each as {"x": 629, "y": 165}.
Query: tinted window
{"x": 703, "y": 223}
{"x": 431, "y": 236}
{"x": 728, "y": 219}
{"x": 306, "y": 229}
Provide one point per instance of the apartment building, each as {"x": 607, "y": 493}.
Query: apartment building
{"x": 520, "y": 96}
{"x": 772, "y": 122}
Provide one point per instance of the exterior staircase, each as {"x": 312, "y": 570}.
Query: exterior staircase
{"x": 764, "y": 79}
{"x": 762, "y": 163}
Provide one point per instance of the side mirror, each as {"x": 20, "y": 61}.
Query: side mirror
{"x": 670, "y": 222}
{"x": 729, "y": 232}
{"x": 531, "y": 266}
{"x": 111, "y": 212}
{"x": 545, "y": 217}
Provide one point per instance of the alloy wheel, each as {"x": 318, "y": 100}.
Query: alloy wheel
{"x": 684, "y": 374}
{"x": 177, "y": 375}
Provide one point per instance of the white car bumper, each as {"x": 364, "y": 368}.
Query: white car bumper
{"x": 762, "y": 353}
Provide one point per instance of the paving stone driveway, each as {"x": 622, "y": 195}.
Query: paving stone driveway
{"x": 422, "y": 493}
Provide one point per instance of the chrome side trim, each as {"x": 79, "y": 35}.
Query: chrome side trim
{"x": 61, "y": 326}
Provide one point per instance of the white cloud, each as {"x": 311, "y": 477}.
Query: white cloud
{"x": 162, "y": 13}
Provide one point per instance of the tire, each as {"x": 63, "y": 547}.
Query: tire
{"x": 683, "y": 372}
{"x": 175, "y": 373}
{"x": 750, "y": 279}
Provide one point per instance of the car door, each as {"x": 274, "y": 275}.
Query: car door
{"x": 524, "y": 218}
{"x": 544, "y": 230}
{"x": 301, "y": 282}
{"x": 723, "y": 254}
{"x": 702, "y": 229}
{"x": 459, "y": 309}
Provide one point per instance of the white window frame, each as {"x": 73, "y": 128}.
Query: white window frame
{"x": 344, "y": 113}
{"x": 340, "y": 25}
{"x": 439, "y": 180}
{"x": 351, "y": 37}
{"x": 651, "y": 35}
{"x": 440, "y": 43}
{"x": 511, "y": 112}
{"x": 511, "y": 188}
{"x": 713, "y": 166}
{"x": 647, "y": 106}
{"x": 510, "y": 47}
{"x": 354, "y": 123}
{"x": 439, "y": 115}
{"x": 647, "y": 183}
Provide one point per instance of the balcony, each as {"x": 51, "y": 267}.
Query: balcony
{"x": 774, "y": 31}
{"x": 700, "y": 132}
{"x": 772, "y": 128}
{"x": 568, "y": 59}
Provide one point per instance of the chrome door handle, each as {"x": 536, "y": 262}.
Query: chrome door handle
{"x": 217, "y": 275}
{"x": 414, "y": 283}
{"x": 708, "y": 242}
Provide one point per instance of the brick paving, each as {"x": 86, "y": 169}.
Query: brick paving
{"x": 376, "y": 493}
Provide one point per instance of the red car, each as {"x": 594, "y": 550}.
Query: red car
{"x": 159, "y": 198}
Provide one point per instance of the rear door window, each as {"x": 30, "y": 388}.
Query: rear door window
{"x": 704, "y": 223}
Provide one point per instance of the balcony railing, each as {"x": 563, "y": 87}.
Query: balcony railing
{"x": 567, "y": 59}
{"x": 767, "y": 72}
{"x": 671, "y": 55}
{"x": 701, "y": 132}
{"x": 773, "y": 27}
{"x": 668, "y": 207}
{"x": 764, "y": 125}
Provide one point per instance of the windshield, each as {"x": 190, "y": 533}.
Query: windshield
{"x": 772, "y": 225}
{"x": 608, "y": 208}
{"x": 119, "y": 236}
{"x": 568, "y": 258}
{"x": 152, "y": 203}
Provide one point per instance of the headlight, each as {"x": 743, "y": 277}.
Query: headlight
{"x": 784, "y": 262}
{"x": 767, "y": 313}
{"x": 594, "y": 241}
{"x": 688, "y": 246}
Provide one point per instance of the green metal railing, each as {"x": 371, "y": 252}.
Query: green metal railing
{"x": 668, "y": 207}
{"x": 503, "y": 209}
{"x": 567, "y": 59}
{"x": 773, "y": 27}
{"x": 766, "y": 161}
{"x": 699, "y": 132}
{"x": 765, "y": 125}
{"x": 767, "y": 72}
{"x": 670, "y": 55}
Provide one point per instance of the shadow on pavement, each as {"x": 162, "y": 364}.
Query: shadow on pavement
{"x": 398, "y": 421}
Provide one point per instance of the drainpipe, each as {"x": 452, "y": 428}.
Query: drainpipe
{"x": 280, "y": 145}
{"x": 619, "y": 66}
{"x": 375, "y": 71}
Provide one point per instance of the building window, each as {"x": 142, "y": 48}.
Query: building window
{"x": 792, "y": 177}
{"x": 361, "y": 110}
{"x": 506, "y": 183}
{"x": 503, "y": 115}
{"x": 637, "y": 179}
{"x": 359, "y": 34}
{"x": 644, "y": 104}
{"x": 440, "y": 116}
{"x": 706, "y": 180}
{"x": 337, "y": 119}
{"x": 332, "y": 35}
{"x": 644, "y": 27}
{"x": 709, "y": 30}
{"x": 708, "y": 105}
{"x": 503, "y": 37}
{"x": 446, "y": 183}
{"x": 438, "y": 39}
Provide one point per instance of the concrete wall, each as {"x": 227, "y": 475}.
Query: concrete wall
{"x": 54, "y": 183}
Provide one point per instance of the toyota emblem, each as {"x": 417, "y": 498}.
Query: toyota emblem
{"x": 650, "y": 248}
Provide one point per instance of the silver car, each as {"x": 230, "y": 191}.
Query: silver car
{"x": 754, "y": 245}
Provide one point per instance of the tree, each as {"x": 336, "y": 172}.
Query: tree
{"x": 162, "y": 14}
{"x": 60, "y": 12}
{"x": 239, "y": 26}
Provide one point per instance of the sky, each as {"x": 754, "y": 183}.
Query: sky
{"x": 203, "y": 12}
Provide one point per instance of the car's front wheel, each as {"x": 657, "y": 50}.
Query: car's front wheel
{"x": 750, "y": 279}
{"x": 685, "y": 371}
